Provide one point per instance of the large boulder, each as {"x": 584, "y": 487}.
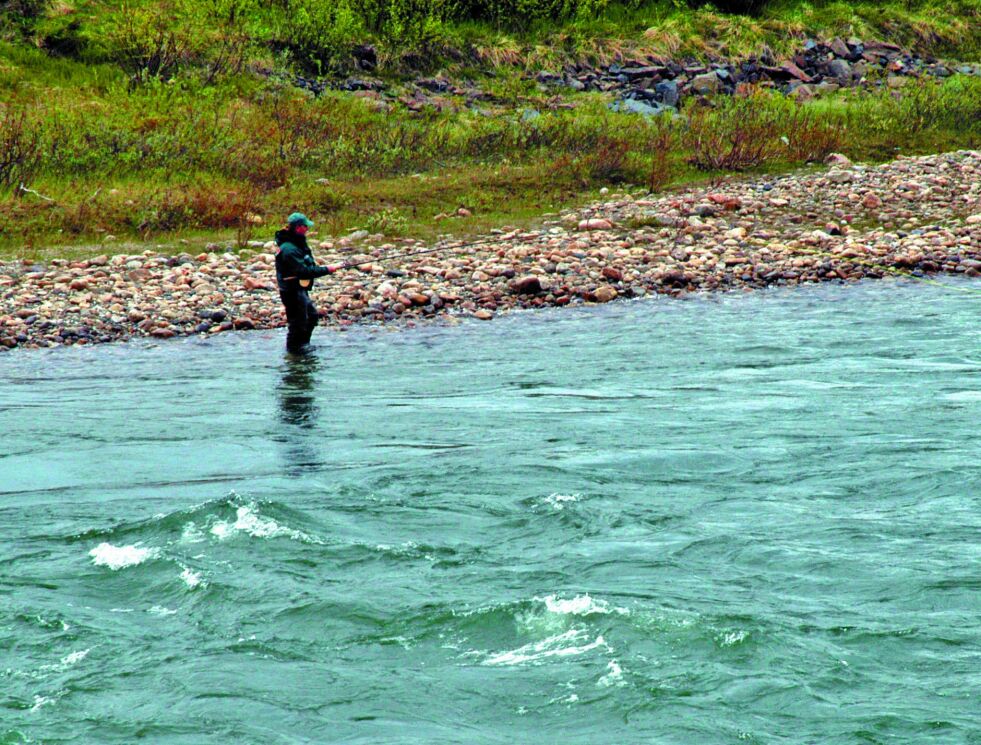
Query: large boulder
{"x": 527, "y": 285}
{"x": 605, "y": 294}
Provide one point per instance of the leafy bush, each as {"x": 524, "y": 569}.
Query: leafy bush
{"x": 518, "y": 13}
{"x": 321, "y": 35}
{"x": 741, "y": 7}
{"x": 387, "y": 222}
{"x": 22, "y": 14}
{"x": 148, "y": 42}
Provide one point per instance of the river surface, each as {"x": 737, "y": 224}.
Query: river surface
{"x": 750, "y": 518}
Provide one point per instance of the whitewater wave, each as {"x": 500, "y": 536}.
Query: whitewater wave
{"x": 731, "y": 638}
{"x": 567, "y": 644}
{"x": 120, "y": 557}
{"x": 74, "y": 657}
{"x": 559, "y": 501}
{"x": 249, "y": 521}
{"x": 580, "y": 605}
{"x": 191, "y": 578}
{"x": 159, "y": 610}
{"x": 40, "y": 701}
{"x": 613, "y": 677}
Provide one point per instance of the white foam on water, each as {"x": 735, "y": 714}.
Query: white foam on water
{"x": 580, "y": 605}
{"x": 159, "y": 610}
{"x": 191, "y": 534}
{"x": 560, "y": 645}
{"x": 221, "y": 531}
{"x": 406, "y": 547}
{"x": 65, "y": 662}
{"x": 558, "y": 613}
{"x": 40, "y": 701}
{"x": 191, "y": 579}
{"x": 119, "y": 557}
{"x": 402, "y": 641}
{"x": 731, "y": 638}
{"x": 613, "y": 677}
{"x": 963, "y": 396}
{"x": 248, "y": 520}
{"x": 558, "y": 501}
{"x": 74, "y": 657}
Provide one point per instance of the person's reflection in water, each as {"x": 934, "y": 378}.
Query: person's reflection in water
{"x": 298, "y": 410}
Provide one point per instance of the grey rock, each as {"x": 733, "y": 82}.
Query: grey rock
{"x": 706, "y": 84}
{"x": 667, "y": 91}
{"x": 840, "y": 69}
{"x": 645, "y": 108}
{"x": 634, "y": 73}
{"x": 840, "y": 48}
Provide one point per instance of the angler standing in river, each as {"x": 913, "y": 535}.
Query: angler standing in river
{"x": 295, "y": 272}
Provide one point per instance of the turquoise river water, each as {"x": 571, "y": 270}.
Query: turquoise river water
{"x": 749, "y": 518}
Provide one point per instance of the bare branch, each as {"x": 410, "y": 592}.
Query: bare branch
{"x": 25, "y": 190}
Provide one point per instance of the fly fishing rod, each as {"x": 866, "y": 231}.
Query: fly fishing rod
{"x": 438, "y": 249}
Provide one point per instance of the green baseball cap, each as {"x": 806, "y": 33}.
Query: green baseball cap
{"x": 298, "y": 218}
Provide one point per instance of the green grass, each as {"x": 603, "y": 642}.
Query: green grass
{"x": 191, "y": 154}
{"x": 172, "y": 161}
{"x": 150, "y": 38}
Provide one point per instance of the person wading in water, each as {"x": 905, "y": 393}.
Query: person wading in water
{"x": 295, "y": 272}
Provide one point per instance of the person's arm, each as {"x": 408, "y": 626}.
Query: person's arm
{"x": 303, "y": 267}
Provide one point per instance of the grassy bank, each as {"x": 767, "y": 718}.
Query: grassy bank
{"x": 162, "y": 38}
{"x": 165, "y": 124}
{"x": 173, "y": 161}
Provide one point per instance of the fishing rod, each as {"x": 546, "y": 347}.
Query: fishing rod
{"x": 483, "y": 242}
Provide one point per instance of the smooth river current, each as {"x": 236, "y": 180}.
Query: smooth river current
{"x": 750, "y": 518}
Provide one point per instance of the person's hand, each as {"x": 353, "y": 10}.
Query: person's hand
{"x": 334, "y": 267}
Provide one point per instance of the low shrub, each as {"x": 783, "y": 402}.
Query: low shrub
{"x": 21, "y": 148}
{"x": 387, "y": 222}
{"x": 608, "y": 162}
{"x": 320, "y": 36}
{"x": 740, "y": 7}
{"x": 810, "y": 136}
{"x": 22, "y": 14}
{"x": 662, "y": 147}
{"x": 741, "y": 133}
{"x": 148, "y": 42}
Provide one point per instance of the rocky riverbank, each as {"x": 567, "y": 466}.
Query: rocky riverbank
{"x": 848, "y": 222}
{"x": 652, "y": 85}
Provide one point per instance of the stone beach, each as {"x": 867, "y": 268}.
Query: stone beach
{"x": 846, "y": 222}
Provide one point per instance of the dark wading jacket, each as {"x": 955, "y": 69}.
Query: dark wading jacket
{"x": 295, "y": 260}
